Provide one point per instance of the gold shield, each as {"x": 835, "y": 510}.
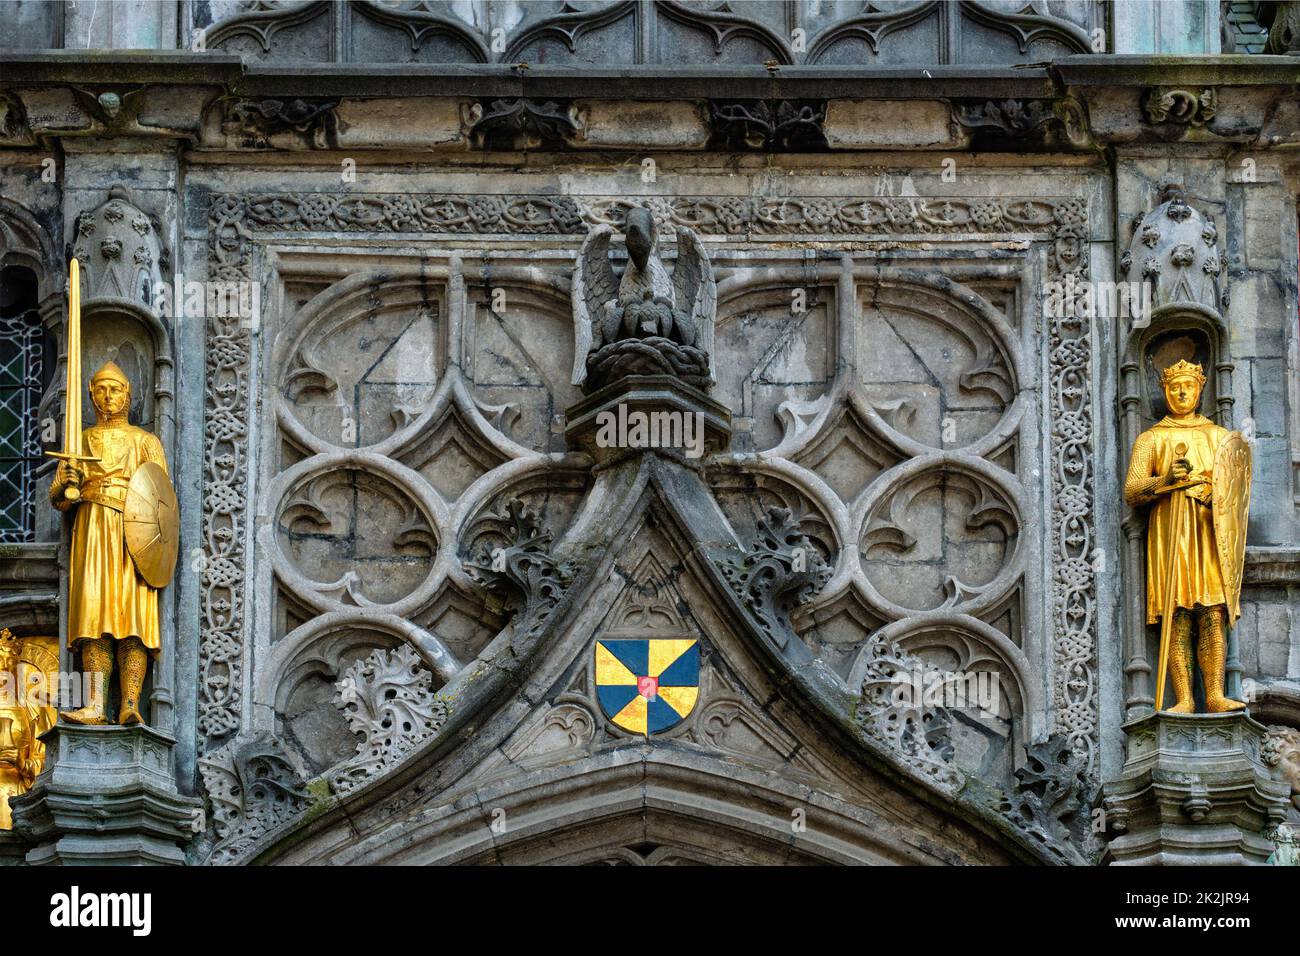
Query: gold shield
{"x": 1230, "y": 495}
{"x": 152, "y": 520}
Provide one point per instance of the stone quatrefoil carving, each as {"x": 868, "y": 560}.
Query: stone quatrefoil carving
{"x": 409, "y": 505}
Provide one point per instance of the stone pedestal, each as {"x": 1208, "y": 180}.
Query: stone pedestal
{"x": 1193, "y": 790}
{"x": 644, "y": 395}
{"x": 106, "y": 796}
{"x": 13, "y": 848}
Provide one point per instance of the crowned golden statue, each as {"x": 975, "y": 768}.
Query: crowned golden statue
{"x": 1195, "y": 476}
{"x": 25, "y": 714}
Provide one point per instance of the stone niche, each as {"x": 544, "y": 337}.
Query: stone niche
{"x": 1168, "y": 348}
{"x": 122, "y": 261}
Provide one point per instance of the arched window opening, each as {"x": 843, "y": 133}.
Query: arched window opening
{"x": 23, "y": 377}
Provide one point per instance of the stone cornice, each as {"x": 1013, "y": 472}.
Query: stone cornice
{"x": 22, "y": 68}
{"x": 1077, "y": 103}
{"x": 1121, "y": 70}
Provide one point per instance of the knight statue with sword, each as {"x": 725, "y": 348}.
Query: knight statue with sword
{"x": 1195, "y": 477}
{"x": 112, "y": 478}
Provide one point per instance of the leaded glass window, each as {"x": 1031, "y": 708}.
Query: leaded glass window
{"x": 22, "y": 348}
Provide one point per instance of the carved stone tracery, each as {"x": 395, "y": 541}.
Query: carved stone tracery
{"x": 528, "y": 580}
{"x": 435, "y": 31}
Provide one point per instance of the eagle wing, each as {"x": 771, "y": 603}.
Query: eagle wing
{"x": 695, "y": 290}
{"x": 594, "y": 285}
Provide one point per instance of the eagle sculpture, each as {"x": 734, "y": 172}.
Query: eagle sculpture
{"x": 644, "y": 323}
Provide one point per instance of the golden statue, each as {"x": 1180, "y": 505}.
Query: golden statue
{"x": 26, "y": 712}
{"x": 124, "y": 534}
{"x": 1195, "y": 475}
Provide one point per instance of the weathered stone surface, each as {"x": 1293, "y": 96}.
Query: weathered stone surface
{"x": 678, "y": 124}
{"x": 882, "y": 374}
{"x": 1194, "y": 790}
{"x": 107, "y": 796}
{"x": 908, "y": 124}
{"x": 400, "y": 123}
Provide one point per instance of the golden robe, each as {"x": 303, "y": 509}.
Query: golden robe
{"x": 18, "y": 765}
{"x": 23, "y": 718}
{"x": 106, "y": 596}
{"x": 1198, "y": 579}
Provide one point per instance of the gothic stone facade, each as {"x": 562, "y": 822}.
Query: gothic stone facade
{"x": 398, "y": 551}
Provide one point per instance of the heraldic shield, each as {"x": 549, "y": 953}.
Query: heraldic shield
{"x": 1230, "y": 495}
{"x": 151, "y": 520}
{"x": 647, "y": 686}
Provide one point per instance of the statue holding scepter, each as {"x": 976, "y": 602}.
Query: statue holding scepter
{"x": 124, "y": 534}
{"x": 1195, "y": 476}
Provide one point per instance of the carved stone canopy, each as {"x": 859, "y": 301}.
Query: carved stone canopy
{"x": 1175, "y": 249}
{"x": 121, "y": 254}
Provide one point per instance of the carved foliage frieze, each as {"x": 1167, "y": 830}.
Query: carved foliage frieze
{"x": 746, "y": 216}
{"x": 1073, "y": 523}
{"x": 225, "y": 482}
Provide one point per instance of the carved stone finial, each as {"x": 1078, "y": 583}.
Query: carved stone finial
{"x": 916, "y": 733}
{"x": 512, "y": 559}
{"x": 1051, "y": 798}
{"x": 253, "y": 785}
{"x": 782, "y": 570}
{"x": 1175, "y": 248}
{"x": 120, "y": 251}
{"x": 390, "y": 704}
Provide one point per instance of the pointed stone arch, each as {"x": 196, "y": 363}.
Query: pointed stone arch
{"x": 525, "y": 735}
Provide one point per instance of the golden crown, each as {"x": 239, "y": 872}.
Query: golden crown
{"x": 1183, "y": 369}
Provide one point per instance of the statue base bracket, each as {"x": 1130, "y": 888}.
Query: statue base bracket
{"x": 106, "y": 796}
{"x": 638, "y": 409}
{"x": 1193, "y": 790}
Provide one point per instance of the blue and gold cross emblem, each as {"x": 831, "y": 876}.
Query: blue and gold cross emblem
{"x": 647, "y": 685}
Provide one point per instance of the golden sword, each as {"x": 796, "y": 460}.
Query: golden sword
{"x": 1177, "y": 501}
{"x": 73, "y": 450}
